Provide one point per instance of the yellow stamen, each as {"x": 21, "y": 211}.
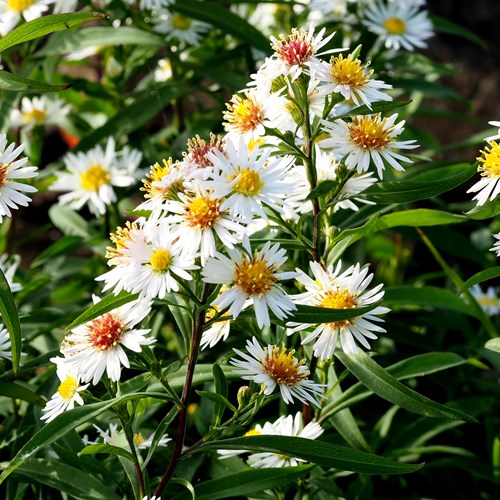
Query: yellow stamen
{"x": 253, "y": 432}
{"x": 244, "y": 114}
{"x": 254, "y": 277}
{"x": 203, "y": 212}
{"x": 490, "y": 161}
{"x": 19, "y": 5}
{"x": 283, "y": 367}
{"x": 181, "y": 22}
{"x": 249, "y": 182}
{"x": 35, "y": 116}
{"x": 138, "y": 438}
{"x": 94, "y": 177}
{"x": 67, "y": 388}
{"x": 349, "y": 72}
{"x": 395, "y": 25}
{"x": 339, "y": 299}
{"x": 4, "y": 170}
{"x": 161, "y": 260}
{"x": 154, "y": 177}
{"x": 370, "y": 132}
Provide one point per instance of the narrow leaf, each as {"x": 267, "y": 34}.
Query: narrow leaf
{"x": 221, "y": 389}
{"x": 10, "y": 318}
{"x": 217, "y": 399}
{"x": 318, "y": 452}
{"x": 382, "y": 383}
{"x": 487, "y": 211}
{"x": 45, "y": 25}
{"x": 93, "y": 449}
{"x": 68, "y": 221}
{"x": 493, "y": 345}
{"x": 480, "y": 277}
{"x": 103, "y": 306}
{"x": 18, "y": 391}
{"x": 15, "y": 83}
{"x": 376, "y": 107}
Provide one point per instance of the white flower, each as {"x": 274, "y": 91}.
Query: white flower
{"x": 116, "y": 437}
{"x": 496, "y": 246}
{"x": 488, "y": 300}
{"x": 249, "y": 179}
{"x": 97, "y": 346}
{"x": 152, "y": 4}
{"x": 67, "y": 394}
{"x": 176, "y": 26}
{"x": 399, "y": 24}
{"x": 274, "y": 366}
{"x": 251, "y": 276}
{"x": 39, "y": 111}
{"x": 5, "y": 344}
{"x": 494, "y": 137}
{"x": 149, "y": 262}
{"x": 92, "y": 176}
{"x": 348, "y": 290}
{"x": 12, "y": 11}
{"x": 489, "y": 186}
{"x": 284, "y": 426}
{"x": 61, "y": 6}
{"x": 11, "y": 172}
{"x": 218, "y": 330}
{"x": 368, "y": 138}
{"x": 9, "y": 267}
{"x": 348, "y": 77}
{"x": 163, "y": 71}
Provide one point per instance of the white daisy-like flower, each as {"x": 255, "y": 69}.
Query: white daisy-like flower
{"x": 92, "y": 175}
{"x": 399, "y": 24}
{"x": 294, "y": 53}
{"x": 9, "y": 268}
{"x": 251, "y": 277}
{"x": 116, "y": 437}
{"x": 199, "y": 220}
{"x": 152, "y": 4}
{"x": 176, "y": 26}
{"x": 150, "y": 261}
{"x": 218, "y": 330}
{"x": 163, "y": 71}
{"x": 11, "y": 12}
{"x": 488, "y": 300}
{"x": 98, "y": 345}
{"x": 496, "y": 247}
{"x": 368, "y": 138}
{"x": 488, "y": 187}
{"x": 284, "y": 426}
{"x": 336, "y": 290}
{"x": 251, "y": 111}
{"x": 11, "y": 172}
{"x": 5, "y": 344}
{"x": 39, "y": 111}
{"x": 276, "y": 367}
{"x": 67, "y": 394}
{"x": 351, "y": 79}
{"x": 249, "y": 179}
{"x": 497, "y": 135}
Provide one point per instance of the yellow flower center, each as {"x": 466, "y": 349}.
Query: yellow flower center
{"x": 35, "y": 116}
{"x": 488, "y": 301}
{"x": 339, "y": 299}
{"x": 161, "y": 260}
{"x": 105, "y": 332}
{"x": 348, "y": 72}
{"x": 181, "y": 22}
{"x": 4, "y": 170}
{"x": 369, "y": 132}
{"x": 19, "y": 5}
{"x": 94, "y": 177}
{"x": 248, "y": 183}
{"x": 254, "y": 277}
{"x": 395, "y": 25}
{"x": 67, "y": 388}
{"x": 490, "y": 161}
{"x": 166, "y": 66}
{"x": 155, "y": 175}
{"x": 283, "y": 367}
{"x": 244, "y": 114}
{"x": 120, "y": 238}
{"x": 138, "y": 438}
{"x": 253, "y": 432}
{"x": 203, "y": 212}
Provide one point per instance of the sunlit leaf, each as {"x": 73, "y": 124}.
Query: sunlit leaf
{"x": 15, "y": 83}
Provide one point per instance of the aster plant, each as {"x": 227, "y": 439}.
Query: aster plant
{"x": 213, "y": 297}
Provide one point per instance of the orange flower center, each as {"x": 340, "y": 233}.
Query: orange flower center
{"x": 203, "y": 212}
{"x": 244, "y": 114}
{"x": 106, "y": 332}
{"x": 369, "y": 132}
{"x": 283, "y": 367}
{"x": 254, "y": 276}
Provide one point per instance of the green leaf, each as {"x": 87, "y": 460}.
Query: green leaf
{"x": 428, "y": 88}
{"x": 224, "y": 19}
{"x": 493, "y": 345}
{"x": 313, "y": 315}
{"x": 385, "y": 385}
{"x": 45, "y": 25}
{"x": 10, "y": 318}
{"x": 103, "y": 306}
{"x": 480, "y": 277}
{"x": 416, "y": 366}
{"x": 65, "y": 423}
{"x": 17, "y": 391}
{"x": 246, "y": 482}
{"x": 409, "y": 191}
{"x": 487, "y": 211}
{"x": 443, "y": 25}
{"x": 66, "y": 479}
{"x": 376, "y": 107}
{"x": 135, "y": 115}
{"x": 93, "y": 449}
{"x": 317, "y": 452}
{"x": 68, "y": 221}
{"x": 322, "y": 188}
{"x": 15, "y": 83}
{"x": 93, "y": 36}
{"x": 428, "y": 296}
{"x": 63, "y": 246}
{"x": 221, "y": 389}
{"x": 217, "y": 399}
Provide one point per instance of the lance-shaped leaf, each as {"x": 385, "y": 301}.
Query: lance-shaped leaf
{"x": 312, "y": 314}
{"x": 93, "y": 449}
{"x": 15, "y": 83}
{"x": 487, "y": 274}
{"x": 10, "y": 318}
{"x": 487, "y": 211}
{"x": 245, "y": 483}
{"x": 66, "y": 422}
{"x": 103, "y": 306}
{"x": 382, "y": 383}
{"x": 45, "y": 25}
{"x": 18, "y": 391}
{"x": 317, "y": 452}
{"x": 375, "y": 107}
